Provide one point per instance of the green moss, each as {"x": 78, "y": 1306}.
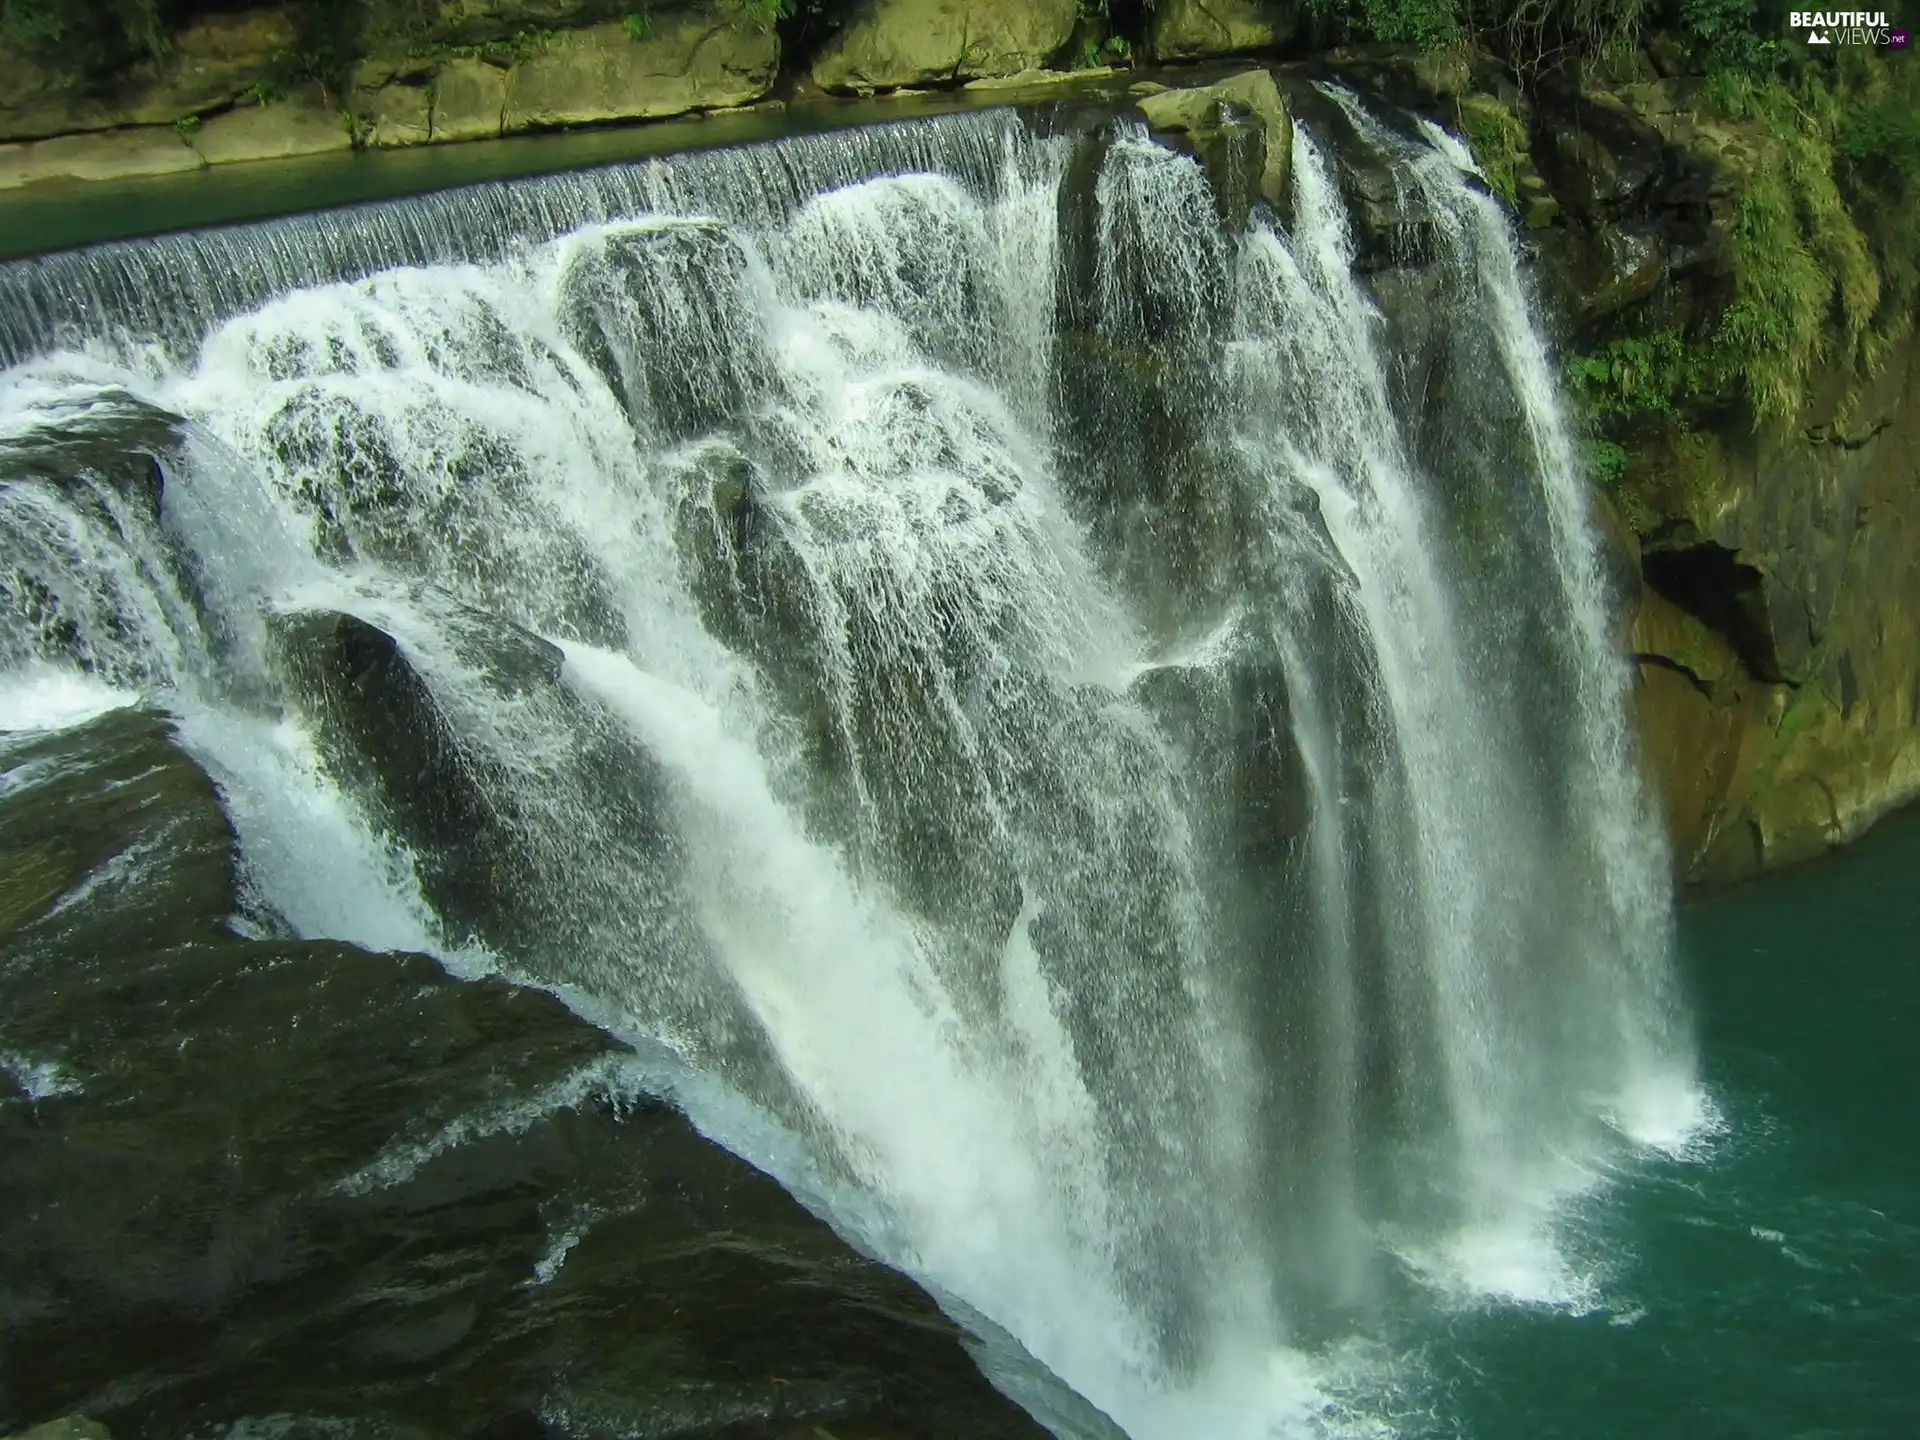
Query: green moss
{"x": 1808, "y": 286}
{"x": 1499, "y": 143}
{"x": 1637, "y": 375}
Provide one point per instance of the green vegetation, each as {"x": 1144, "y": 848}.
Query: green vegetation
{"x": 1531, "y": 35}
{"x": 1499, "y": 143}
{"x": 638, "y": 25}
{"x": 88, "y": 35}
{"x": 1636, "y": 376}
{"x": 767, "y": 13}
{"x": 509, "y": 49}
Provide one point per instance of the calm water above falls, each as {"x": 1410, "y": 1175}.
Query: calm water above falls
{"x": 1063, "y": 722}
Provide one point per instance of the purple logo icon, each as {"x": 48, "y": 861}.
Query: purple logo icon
{"x": 1896, "y": 39}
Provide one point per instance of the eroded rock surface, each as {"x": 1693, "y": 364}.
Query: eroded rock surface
{"x": 284, "y": 1182}
{"x": 891, "y": 43}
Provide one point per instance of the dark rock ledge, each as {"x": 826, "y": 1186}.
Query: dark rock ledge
{"x": 272, "y": 1182}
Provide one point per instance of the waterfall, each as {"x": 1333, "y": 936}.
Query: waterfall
{"x": 1093, "y": 776}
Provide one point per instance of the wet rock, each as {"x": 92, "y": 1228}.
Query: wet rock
{"x": 301, "y": 123}
{"x": 890, "y": 43}
{"x": 666, "y": 313}
{"x": 1195, "y": 29}
{"x": 393, "y": 739}
{"x": 112, "y": 808}
{"x": 287, "y": 1183}
{"x": 119, "y": 444}
{"x": 469, "y": 101}
{"x": 1418, "y": 78}
{"x": 72, "y": 1427}
{"x": 687, "y": 60}
{"x": 1387, "y": 212}
{"x": 1234, "y": 720}
{"x": 105, "y": 155}
{"x": 1241, "y": 161}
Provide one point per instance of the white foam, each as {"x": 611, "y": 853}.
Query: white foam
{"x": 44, "y": 697}
{"x": 40, "y": 1079}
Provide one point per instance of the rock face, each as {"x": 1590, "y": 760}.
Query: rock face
{"x": 1207, "y": 116}
{"x": 214, "y": 62}
{"x": 1778, "y": 571}
{"x": 1192, "y": 29}
{"x": 890, "y": 43}
{"x": 269, "y": 1183}
{"x": 469, "y": 101}
{"x": 1780, "y": 663}
{"x": 100, "y": 155}
{"x": 687, "y": 61}
{"x": 299, "y": 124}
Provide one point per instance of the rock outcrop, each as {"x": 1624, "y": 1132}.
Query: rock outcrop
{"x": 271, "y": 1183}
{"x": 222, "y": 93}
{"x": 1778, "y": 655}
{"x": 1193, "y": 29}
{"x": 893, "y": 43}
{"x": 1207, "y": 116}
{"x": 215, "y": 62}
{"x": 1779, "y": 565}
{"x": 301, "y": 123}
{"x": 687, "y": 60}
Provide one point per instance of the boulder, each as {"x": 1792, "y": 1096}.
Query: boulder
{"x": 117, "y": 446}
{"x": 87, "y": 808}
{"x": 289, "y": 1185}
{"x": 301, "y": 123}
{"x": 1203, "y": 114}
{"x": 104, "y": 155}
{"x": 469, "y": 101}
{"x": 1196, "y": 29}
{"x": 666, "y": 311}
{"x": 688, "y": 60}
{"x": 393, "y": 741}
{"x": 890, "y": 43}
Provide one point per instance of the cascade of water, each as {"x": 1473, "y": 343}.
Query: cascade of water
{"x": 955, "y": 647}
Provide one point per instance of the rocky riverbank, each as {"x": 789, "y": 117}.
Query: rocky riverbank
{"x": 256, "y": 1184}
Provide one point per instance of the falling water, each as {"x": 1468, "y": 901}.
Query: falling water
{"x": 1037, "y": 711}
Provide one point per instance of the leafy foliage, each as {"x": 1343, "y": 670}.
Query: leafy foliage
{"x": 1499, "y": 143}
{"x": 1528, "y": 34}
{"x": 767, "y": 14}
{"x": 1635, "y": 375}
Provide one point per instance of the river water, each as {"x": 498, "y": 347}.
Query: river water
{"x": 1092, "y": 740}
{"x": 1769, "y": 1284}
